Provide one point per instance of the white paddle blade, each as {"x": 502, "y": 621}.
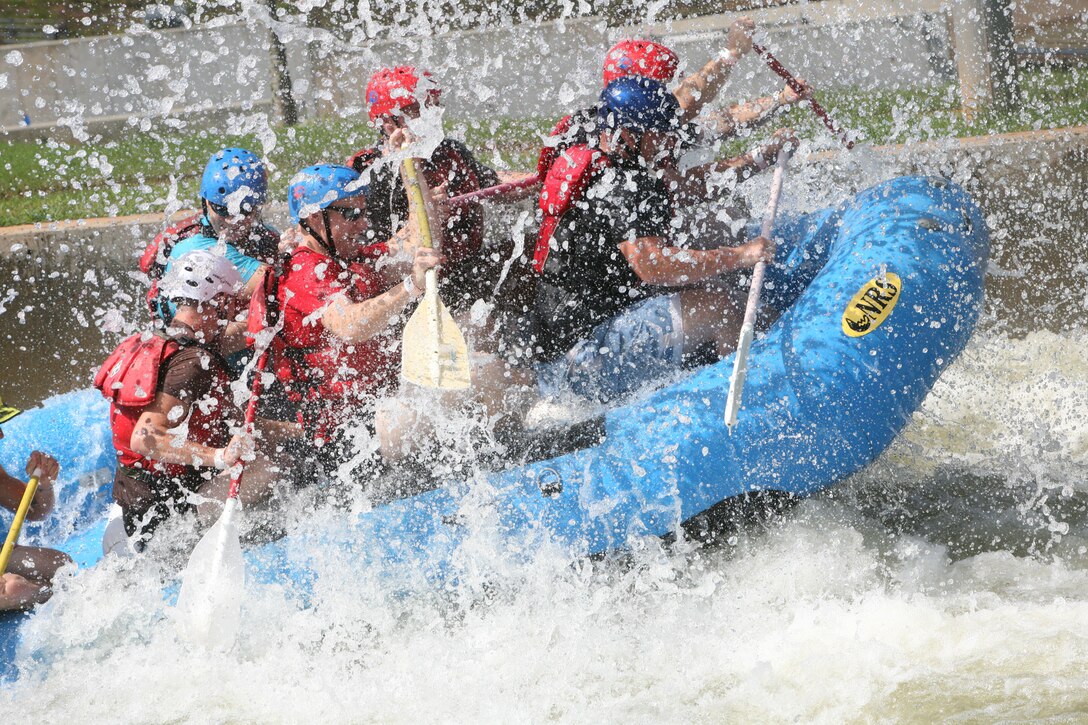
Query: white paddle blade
{"x": 740, "y": 374}
{"x": 209, "y": 606}
{"x": 435, "y": 354}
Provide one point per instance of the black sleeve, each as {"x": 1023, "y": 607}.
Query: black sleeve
{"x": 483, "y": 172}
{"x": 644, "y": 209}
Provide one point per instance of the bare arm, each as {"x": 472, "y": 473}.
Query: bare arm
{"x": 359, "y": 321}
{"x": 152, "y": 437}
{"x": 356, "y": 322}
{"x": 657, "y": 264}
{"x": 509, "y": 197}
{"x": 234, "y": 337}
{"x": 697, "y": 90}
{"x": 12, "y": 489}
{"x": 754, "y": 113}
{"x": 691, "y": 185}
{"x": 278, "y": 431}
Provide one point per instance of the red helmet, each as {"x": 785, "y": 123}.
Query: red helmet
{"x": 392, "y": 88}
{"x": 640, "y": 58}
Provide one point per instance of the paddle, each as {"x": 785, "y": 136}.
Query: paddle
{"x": 747, "y": 330}
{"x": 490, "y": 191}
{"x": 210, "y": 601}
{"x": 774, "y": 64}
{"x": 20, "y": 516}
{"x": 434, "y": 353}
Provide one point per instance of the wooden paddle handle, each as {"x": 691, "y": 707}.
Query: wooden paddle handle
{"x": 774, "y": 64}
{"x": 17, "y": 524}
{"x": 766, "y": 230}
{"x": 415, "y": 195}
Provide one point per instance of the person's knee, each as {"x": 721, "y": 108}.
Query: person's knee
{"x": 392, "y": 426}
{"x": 37, "y": 563}
{"x": 61, "y": 559}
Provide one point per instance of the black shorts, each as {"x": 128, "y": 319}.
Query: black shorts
{"x": 148, "y": 498}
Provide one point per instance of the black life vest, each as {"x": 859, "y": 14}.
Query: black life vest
{"x": 567, "y": 180}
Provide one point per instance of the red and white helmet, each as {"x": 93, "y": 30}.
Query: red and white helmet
{"x": 392, "y": 88}
{"x": 200, "y": 276}
{"x": 640, "y": 58}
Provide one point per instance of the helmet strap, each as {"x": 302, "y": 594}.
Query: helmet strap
{"x": 328, "y": 235}
{"x": 326, "y": 241}
{"x": 205, "y": 220}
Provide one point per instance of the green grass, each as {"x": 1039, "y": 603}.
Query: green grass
{"x": 46, "y": 181}
{"x": 42, "y": 181}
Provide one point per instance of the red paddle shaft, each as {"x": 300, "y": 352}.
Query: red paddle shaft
{"x": 251, "y": 413}
{"x": 799, "y": 89}
{"x": 490, "y": 191}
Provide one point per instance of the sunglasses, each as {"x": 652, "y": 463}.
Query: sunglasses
{"x": 349, "y": 213}
{"x": 246, "y": 209}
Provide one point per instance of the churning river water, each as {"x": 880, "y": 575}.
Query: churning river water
{"x": 947, "y": 582}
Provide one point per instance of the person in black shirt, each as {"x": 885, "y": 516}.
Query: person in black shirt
{"x": 619, "y": 304}
{"x": 696, "y": 138}
{"x": 395, "y": 98}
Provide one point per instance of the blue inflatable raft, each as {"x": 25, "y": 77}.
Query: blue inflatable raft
{"x": 879, "y": 295}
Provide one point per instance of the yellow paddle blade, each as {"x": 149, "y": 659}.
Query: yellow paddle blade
{"x": 434, "y": 354}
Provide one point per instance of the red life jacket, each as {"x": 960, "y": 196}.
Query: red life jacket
{"x": 129, "y": 379}
{"x": 323, "y": 373}
{"x": 549, "y": 153}
{"x": 566, "y": 182}
{"x": 153, "y": 260}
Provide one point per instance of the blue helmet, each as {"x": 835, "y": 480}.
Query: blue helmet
{"x": 234, "y": 178}
{"x": 638, "y": 103}
{"x": 316, "y": 187}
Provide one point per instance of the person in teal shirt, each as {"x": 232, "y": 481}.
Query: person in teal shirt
{"x": 233, "y": 191}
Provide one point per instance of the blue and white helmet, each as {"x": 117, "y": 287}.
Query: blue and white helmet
{"x": 317, "y": 187}
{"x": 236, "y": 179}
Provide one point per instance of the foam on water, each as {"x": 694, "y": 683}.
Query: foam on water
{"x": 948, "y": 580}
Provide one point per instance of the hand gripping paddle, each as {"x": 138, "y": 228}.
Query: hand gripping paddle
{"x": 434, "y": 354}
{"x": 747, "y": 330}
{"x": 20, "y": 516}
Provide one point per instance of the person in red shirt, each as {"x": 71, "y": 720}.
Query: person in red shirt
{"x": 339, "y": 348}
{"x": 31, "y": 570}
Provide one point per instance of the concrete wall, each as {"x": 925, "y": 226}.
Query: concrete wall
{"x": 116, "y": 83}
{"x": 89, "y": 83}
{"x": 99, "y": 84}
{"x": 540, "y": 69}
{"x": 517, "y": 72}
{"x": 858, "y": 43}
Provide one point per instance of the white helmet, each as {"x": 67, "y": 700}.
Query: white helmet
{"x": 200, "y": 276}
